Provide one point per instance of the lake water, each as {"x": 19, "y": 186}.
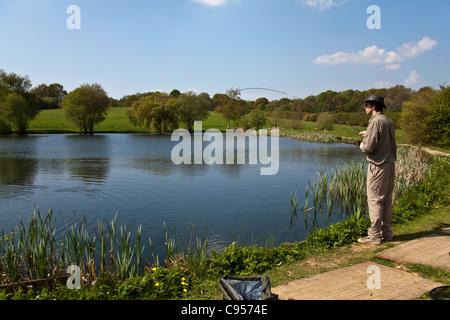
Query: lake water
{"x": 133, "y": 175}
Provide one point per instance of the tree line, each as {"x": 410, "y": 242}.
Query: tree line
{"x": 422, "y": 114}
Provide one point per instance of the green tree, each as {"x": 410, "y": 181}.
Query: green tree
{"x": 193, "y": 107}
{"x": 231, "y": 108}
{"x": 175, "y": 93}
{"x": 414, "y": 113}
{"x": 16, "y": 112}
{"x": 395, "y": 96}
{"x": 157, "y": 111}
{"x": 255, "y": 120}
{"x": 438, "y": 121}
{"x": 86, "y": 106}
{"x": 14, "y": 82}
{"x": 261, "y": 103}
{"x": 49, "y": 96}
{"x": 18, "y": 106}
{"x": 276, "y": 115}
{"x": 54, "y": 90}
{"x": 219, "y": 99}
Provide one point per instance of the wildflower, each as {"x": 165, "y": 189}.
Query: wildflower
{"x": 153, "y": 269}
{"x": 157, "y": 284}
{"x": 184, "y": 290}
{"x": 183, "y": 279}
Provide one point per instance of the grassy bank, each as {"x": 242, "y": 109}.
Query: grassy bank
{"x": 54, "y": 121}
{"x": 193, "y": 272}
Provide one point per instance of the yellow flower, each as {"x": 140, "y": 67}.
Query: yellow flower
{"x": 153, "y": 269}
{"x": 183, "y": 279}
{"x": 184, "y": 290}
{"x": 156, "y": 284}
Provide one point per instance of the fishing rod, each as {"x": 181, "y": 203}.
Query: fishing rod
{"x": 312, "y": 104}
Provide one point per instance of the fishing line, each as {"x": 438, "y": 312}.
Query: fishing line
{"x": 311, "y": 104}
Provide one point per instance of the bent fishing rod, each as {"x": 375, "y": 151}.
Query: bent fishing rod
{"x": 311, "y": 104}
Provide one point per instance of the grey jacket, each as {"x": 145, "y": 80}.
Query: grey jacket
{"x": 379, "y": 142}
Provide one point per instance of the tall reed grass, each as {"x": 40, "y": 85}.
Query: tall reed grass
{"x": 319, "y": 136}
{"x": 342, "y": 191}
{"x": 31, "y": 251}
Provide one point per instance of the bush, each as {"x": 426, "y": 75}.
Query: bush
{"x": 255, "y": 120}
{"x": 325, "y": 121}
{"x": 238, "y": 260}
{"x": 338, "y": 234}
{"x": 423, "y": 196}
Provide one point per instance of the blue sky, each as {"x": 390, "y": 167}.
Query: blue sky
{"x": 302, "y": 47}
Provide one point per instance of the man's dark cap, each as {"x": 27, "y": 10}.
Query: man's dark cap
{"x": 376, "y": 98}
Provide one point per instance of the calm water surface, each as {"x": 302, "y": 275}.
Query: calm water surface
{"x": 133, "y": 175}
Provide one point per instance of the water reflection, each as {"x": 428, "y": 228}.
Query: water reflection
{"x": 17, "y": 171}
{"x": 90, "y": 171}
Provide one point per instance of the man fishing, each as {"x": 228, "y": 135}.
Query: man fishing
{"x": 381, "y": 151}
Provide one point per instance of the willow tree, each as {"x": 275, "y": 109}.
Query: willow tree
{"x": 193, "y": 107}
{"x": 86, "y": 106}
{"x": 157, "y": 112}
{"x": 16, "y": 112}
{"x": 18, "y": 106}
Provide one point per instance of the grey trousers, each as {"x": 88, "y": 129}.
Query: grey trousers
{"x": 380, "y": 185}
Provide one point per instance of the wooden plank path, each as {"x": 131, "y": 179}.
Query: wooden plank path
{"x": 372, "y": 281}
{"x": 433, "y": 250}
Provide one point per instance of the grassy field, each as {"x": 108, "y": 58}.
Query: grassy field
{"x": 54, "y": 121}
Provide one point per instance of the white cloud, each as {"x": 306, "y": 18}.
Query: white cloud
{"x": 370, "y": 55}
{"x": 323, "y": 4}
{"x": 211, "y": 3}
{"x": 391, "y": 67}
{"x": 412, "y": 79}
{"x": 375, "y": 55}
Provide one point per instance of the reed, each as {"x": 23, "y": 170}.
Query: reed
{"x": 342, "y": 191}
{"x": 316, "y": 136}
{"x": 191, "y": 253}
{"x": 31, "y": 251}
{"x": 411, "y": 168}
